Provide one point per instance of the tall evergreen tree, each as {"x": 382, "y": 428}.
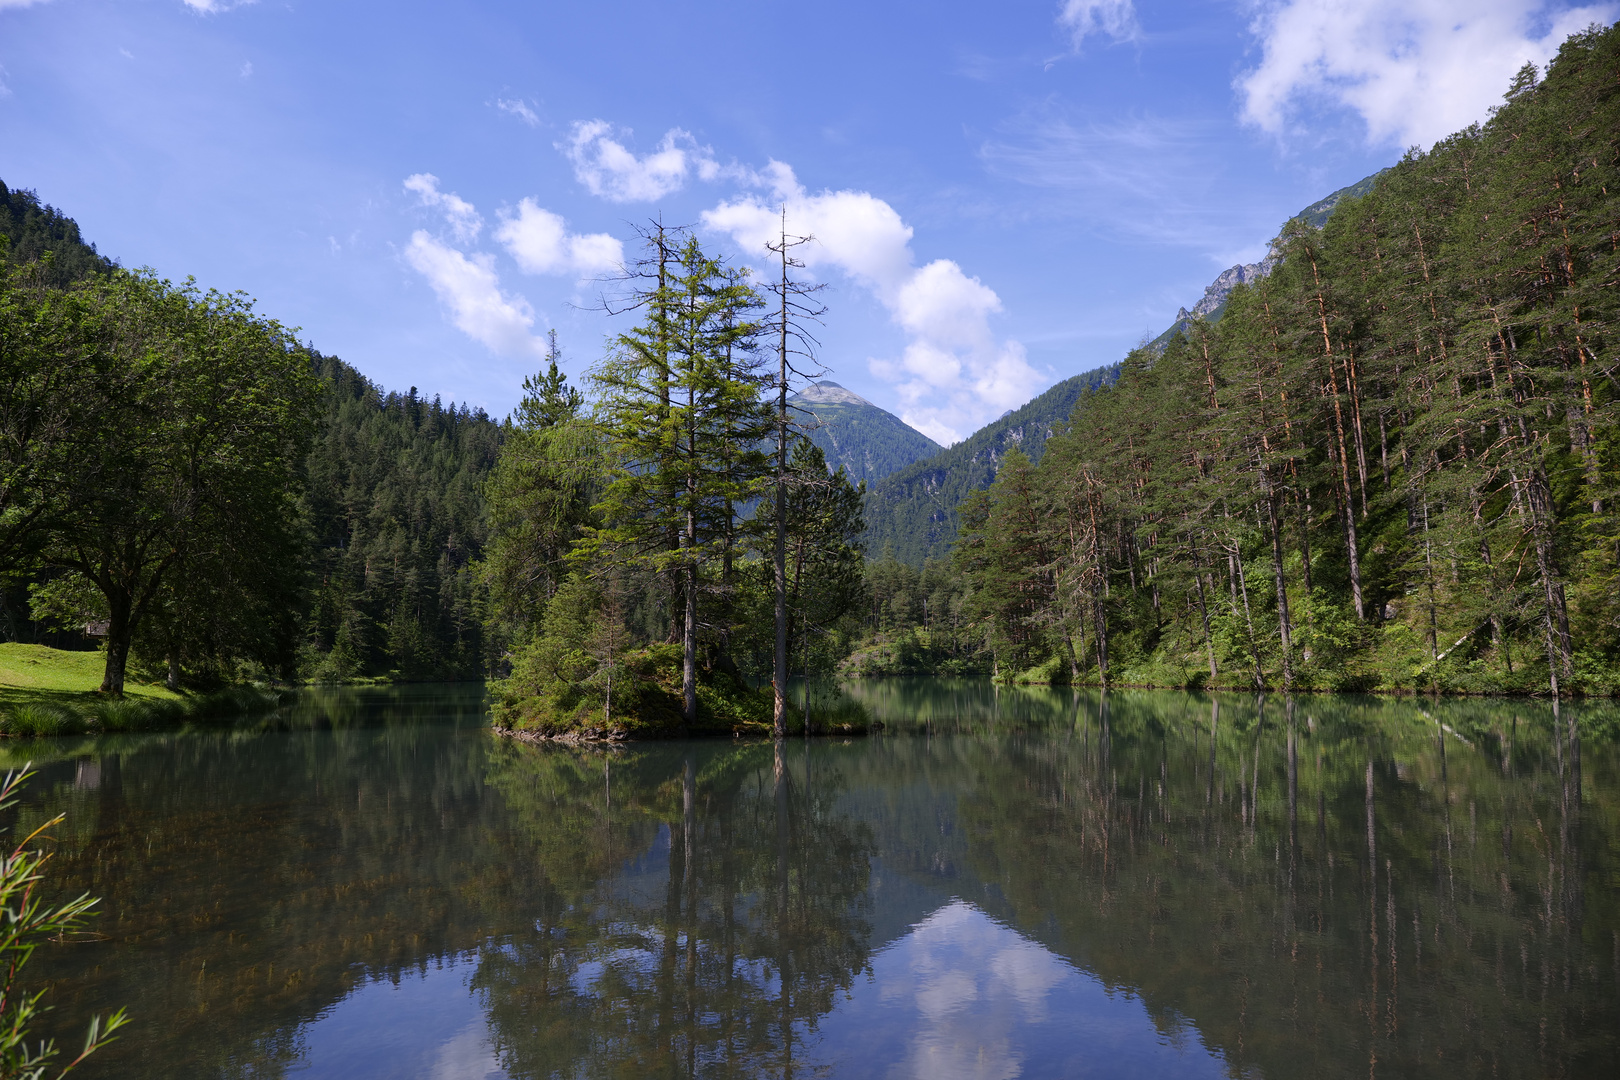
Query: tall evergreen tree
{"x": 681, "y": 414}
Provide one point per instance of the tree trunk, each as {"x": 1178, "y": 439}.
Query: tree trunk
{"x": 1284, "y": 623}
{"x": 119, "y": 629}
{"x": 779, "y": 661}
{"x": 1101, "y": 616}
{"x": 1542, "y": 516}
{"x": 1203, "y": 608}
{"x": 689, "y": 649}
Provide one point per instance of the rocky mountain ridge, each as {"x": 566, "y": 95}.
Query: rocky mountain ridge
{"x": 1213, "y": 301}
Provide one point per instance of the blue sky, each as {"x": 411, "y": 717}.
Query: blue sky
{"x": 1003, "y": 194}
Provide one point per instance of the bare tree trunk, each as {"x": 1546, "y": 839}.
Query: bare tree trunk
{"x": 689, "y": 643}
{"x": 1284, "y": 623}
{"x": 1254, "y": 648}
{"x": 779, "y": 660}
{"x": 1203, "y": 608}
{"x": 1542, "y": 515}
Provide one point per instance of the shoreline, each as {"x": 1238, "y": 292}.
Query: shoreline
{"x": 1529, "y": 695}
{"x": 598, "y": 738}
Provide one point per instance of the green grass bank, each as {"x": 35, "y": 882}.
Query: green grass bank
{"x": 45, "y": 691}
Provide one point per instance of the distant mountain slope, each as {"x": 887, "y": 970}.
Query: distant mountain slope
{"x": 867, "y": 441}
{"x": 31, "y": 229}
{"x": 1213, "y": 301}
{"x": 914, "y": 510}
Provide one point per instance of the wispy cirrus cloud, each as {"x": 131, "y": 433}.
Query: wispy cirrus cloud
{"x": 519, "y": 108}
{"x": 1414, "y": 71}
{"x": 1115, "y": 19}
{"x": 1142, "y": 178}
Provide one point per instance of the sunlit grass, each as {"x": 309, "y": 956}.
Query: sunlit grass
{"x": 48, "y": 692}
{"x": 39, "y": 668}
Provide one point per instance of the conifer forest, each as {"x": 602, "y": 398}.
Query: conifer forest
{"x": 1391, "y": 464}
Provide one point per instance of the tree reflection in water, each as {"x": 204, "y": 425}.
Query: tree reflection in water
{"x": 708, "y": 905}
{"x": 1324, "y": 886}
{"x": 1318, "y": 887}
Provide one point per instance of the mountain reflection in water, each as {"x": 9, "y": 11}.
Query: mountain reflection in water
{"x": 1010, "y": 883}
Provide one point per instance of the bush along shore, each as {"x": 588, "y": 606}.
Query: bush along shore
{"x": 638, "y": 696}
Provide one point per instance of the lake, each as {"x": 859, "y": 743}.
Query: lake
{"x": 1006, "y": 882}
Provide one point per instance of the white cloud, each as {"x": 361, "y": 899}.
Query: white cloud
{"x": 214, "y": 7}
{"x": 540, "y": 242}
{"x": 953, "y": 376}
{"x": 1414, "y": 70}
{"x": 469, "y": 287}
{"x": 246, "y": 69}
{"x": 20, "y": 3}
{"x": 1116, "y": 18}
{"x": 520, "y": 109}
{"x": 462, "y": 217}
{"x": 610, "y": 170}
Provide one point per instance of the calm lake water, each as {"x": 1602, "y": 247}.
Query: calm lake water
{"x": 1006, "y": 883}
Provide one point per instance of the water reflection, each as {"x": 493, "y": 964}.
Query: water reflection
{"x": 1014, "y": 883}
{"x": 719, "y": 914}
{"x": 421, "y": 1025}
{"x": 963, "y": 997}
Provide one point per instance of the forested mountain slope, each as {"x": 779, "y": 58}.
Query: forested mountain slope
{"x": 32, "y": 229}
{"x": 914, "y": 511}
{"x": 869, "y": 442}
{"x": 392, "y": 510}
{"x": 396, "y": 519}
{"x": 1394, "y": 463}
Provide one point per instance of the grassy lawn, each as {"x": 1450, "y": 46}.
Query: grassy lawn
{"x": 35, "y": 673}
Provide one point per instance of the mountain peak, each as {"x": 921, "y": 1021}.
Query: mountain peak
{"x": 827, "y": 392}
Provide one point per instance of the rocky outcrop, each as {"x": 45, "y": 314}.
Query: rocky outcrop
{"x": 1214, "y": 298}
{"x": 1215, "y": 295}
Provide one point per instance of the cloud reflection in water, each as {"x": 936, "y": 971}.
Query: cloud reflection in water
{"x": 964, "y": 997}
